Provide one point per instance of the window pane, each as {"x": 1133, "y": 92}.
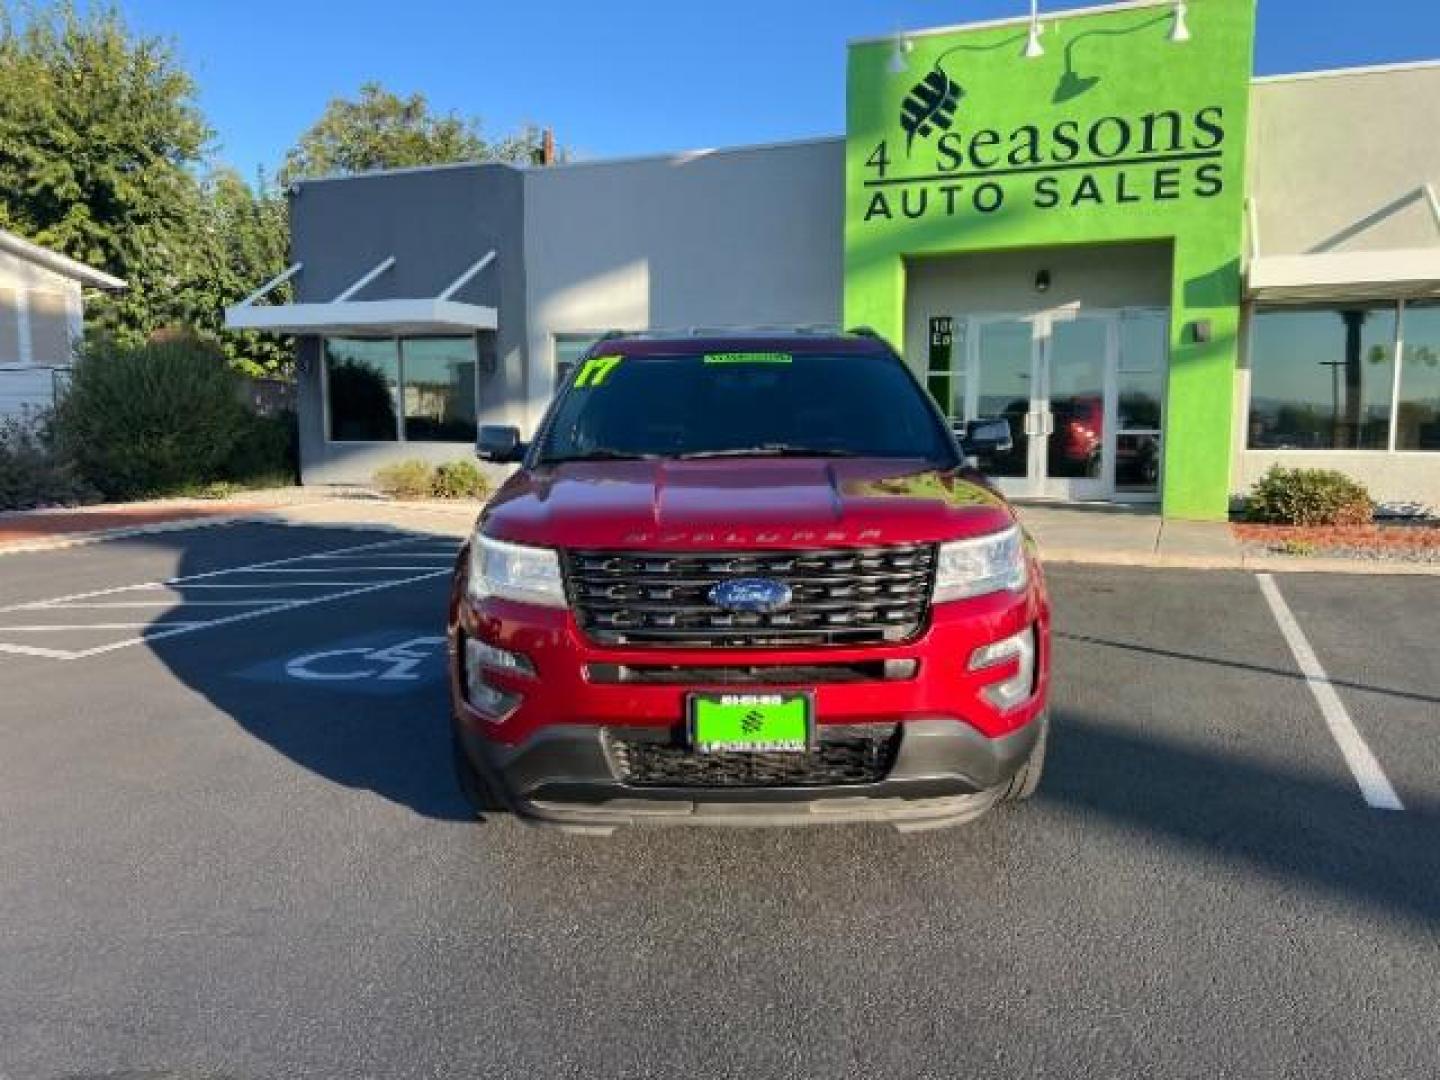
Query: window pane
{"x": 568, "y": 350}
{"x": 1144, "y": 345}
{"x": 1419, "y": 416}
{"x": 439, "y": 389}
{"x": 1321, "y": 379}
{"x": 361, "y": 377}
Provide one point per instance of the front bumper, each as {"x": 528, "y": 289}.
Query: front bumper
{"x": 944, "y": 773}
{"x": 548, "y": 758}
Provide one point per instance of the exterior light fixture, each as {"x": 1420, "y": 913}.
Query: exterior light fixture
{"x": 1179, "y": 32}
{"x": 1033, "y": 48}
{"x": 899, "y": 56}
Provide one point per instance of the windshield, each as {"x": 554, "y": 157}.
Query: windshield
{"x": 743, "y": 404}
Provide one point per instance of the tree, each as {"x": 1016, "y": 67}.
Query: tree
{"x": 385, "y": 131}
{"x": 244, "y": 240}
{"x": 100, "y": 136}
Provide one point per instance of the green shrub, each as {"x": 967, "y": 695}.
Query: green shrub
{"x": 459, "y": 480}
{"x": 1309, "y": 497}
{"x": 406, "y": 479}
{"x": 151, "y": 419}
{"x": 265, "y": 452}
{"x": 33, "y": 472}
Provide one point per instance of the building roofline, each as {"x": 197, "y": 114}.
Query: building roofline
{"x": 1334, "y": 73}
{"x": 663, "y": 155}
{"x": 686, "y": 155}
{"x": 57, "y": 263}
{"x": 1014, "y": 20}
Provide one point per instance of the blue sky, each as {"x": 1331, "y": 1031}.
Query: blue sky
{"x": 632, "y": 76}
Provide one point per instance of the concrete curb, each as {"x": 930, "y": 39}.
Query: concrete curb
{"x": 99, "y": 536}
{"x": 279, "y": 515}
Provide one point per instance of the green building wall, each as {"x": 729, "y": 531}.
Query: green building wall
{"x": 1115, "y": 134}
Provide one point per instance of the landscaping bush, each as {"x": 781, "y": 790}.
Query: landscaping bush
{"x": 405, "y": 479}
{"x": 418, "y": 480}
{"x": 265, "y": 454}
{"x": 1309, "y": 497}
{"x": 459, "y": 480}
{"x": 32, "y": 471}
{"x": 152, "y": 419}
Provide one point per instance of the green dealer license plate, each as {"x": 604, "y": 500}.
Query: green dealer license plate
{"x": 751, "y": 723}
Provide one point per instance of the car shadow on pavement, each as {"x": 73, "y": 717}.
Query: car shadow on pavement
{"x": 1254, "y": 810}
{"x": 1310, "y": 829}
{"x": 389, "y": 735}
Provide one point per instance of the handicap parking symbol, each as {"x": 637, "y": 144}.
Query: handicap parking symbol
{"x": 376, "y": 664}
{"x": 395, "y": 662}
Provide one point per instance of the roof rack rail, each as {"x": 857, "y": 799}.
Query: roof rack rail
{"x": 815, "y": 329}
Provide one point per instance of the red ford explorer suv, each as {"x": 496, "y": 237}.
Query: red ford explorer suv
{"x": 747, "y": 579}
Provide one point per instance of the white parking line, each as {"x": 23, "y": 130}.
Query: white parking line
{"x": 260, "y": 603}
{"x": 199, "y": 577}
{"x": 326, "y": 569}
{"x": 289, "y": 605}
{"x": 1374, "y": 785}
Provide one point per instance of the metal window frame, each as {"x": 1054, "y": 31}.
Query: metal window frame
{"x": 399, "y": 340}
{"x": 1255, "y": 308}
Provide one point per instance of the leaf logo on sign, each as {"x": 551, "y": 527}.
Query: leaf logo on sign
{"x": 930, "y": 104}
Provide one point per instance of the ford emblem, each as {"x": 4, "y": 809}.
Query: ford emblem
{"x": 750, "y": 594}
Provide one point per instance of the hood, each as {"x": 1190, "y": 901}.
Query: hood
{"x": 755, "y": 502}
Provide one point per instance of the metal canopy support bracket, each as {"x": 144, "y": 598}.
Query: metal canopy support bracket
{"x": 1434, "y": 201}
{"x": 461, "y": 281}
{"x": 271, "y": 285}
{"x": 380, "y": 268}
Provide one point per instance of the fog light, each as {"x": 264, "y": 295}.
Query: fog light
{"x": 481, "y": 694}
{"x": 1016, "y": 688}
{"x": 482, "y": 654}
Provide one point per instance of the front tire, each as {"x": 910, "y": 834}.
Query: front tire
{"x": 477, "y": 791}
{"x": 1025, "y": 782}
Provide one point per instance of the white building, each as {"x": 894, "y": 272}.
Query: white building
{"x": 42, "y": 315}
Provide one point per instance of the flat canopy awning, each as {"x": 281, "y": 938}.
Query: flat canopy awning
{"x": 361, "y": 317}
{"x": 1346, "y": 275}
{"x": 346, "y": 315}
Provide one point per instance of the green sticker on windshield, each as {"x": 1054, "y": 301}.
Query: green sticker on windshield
{"x": 596, "y": 370}
{"x": 748, "y": 358}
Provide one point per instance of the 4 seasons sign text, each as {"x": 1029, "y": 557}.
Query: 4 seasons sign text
{"x": 1156, "y": 157}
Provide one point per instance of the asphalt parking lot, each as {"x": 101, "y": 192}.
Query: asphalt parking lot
{"x": 231, "y": 845}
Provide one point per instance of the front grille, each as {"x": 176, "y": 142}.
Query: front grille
{"x": 841, "y": 596}
{"x": 843, "y": 754}
{"x": 754, "y": 674}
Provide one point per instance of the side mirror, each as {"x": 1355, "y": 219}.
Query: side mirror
{"x": 986, "y": 437}
{"x": 499, "y": 444}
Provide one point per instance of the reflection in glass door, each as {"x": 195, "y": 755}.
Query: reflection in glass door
{"x": 1076, "y": 361}
{"x": 1003, "y": 377}
{"x": 1139, "y": 396}
{"x": 1083, "y": 394}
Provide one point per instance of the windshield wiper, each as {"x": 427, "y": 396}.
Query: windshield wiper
{"x": 768, "y": 450}
{"x": 598, "y": 455}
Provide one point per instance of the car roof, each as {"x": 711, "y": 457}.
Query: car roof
{"x": 668, "y": 343}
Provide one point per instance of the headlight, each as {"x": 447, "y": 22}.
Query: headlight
{"x": 530, "y": 575}
{"x": 983, "y": 565}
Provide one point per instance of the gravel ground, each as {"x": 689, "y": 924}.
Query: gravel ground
{"x": 1409, "y": 542}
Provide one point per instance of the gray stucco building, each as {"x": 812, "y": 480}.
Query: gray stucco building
{"x": 432, "y": 300}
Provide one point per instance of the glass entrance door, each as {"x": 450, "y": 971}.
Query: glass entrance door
{"x": 1004, "y": 362}
{"x": 1076, "y": 360}
{"x": 1082, "y": 392}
